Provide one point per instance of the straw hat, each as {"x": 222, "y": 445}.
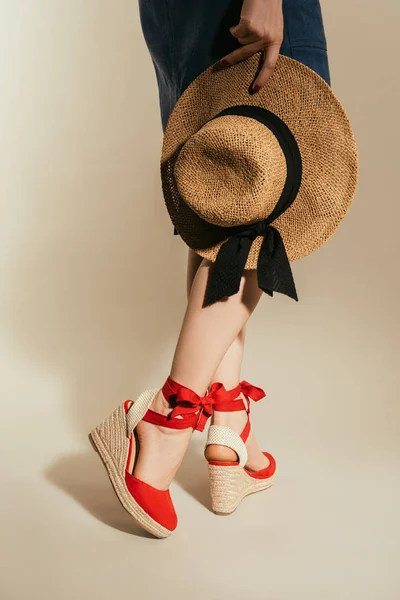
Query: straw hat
{"x": 253, "y": 181}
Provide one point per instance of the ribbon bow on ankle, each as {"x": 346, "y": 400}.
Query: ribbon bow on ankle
{"x": 187, "y": 404}
{"x": 230, "y": 400}
{"x": 196, "y": 410}
{"x": 251, "y": 391}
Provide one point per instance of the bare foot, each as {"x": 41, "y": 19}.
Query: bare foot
{"x": 237, "y": 421}
{"x": 161, "y": 449}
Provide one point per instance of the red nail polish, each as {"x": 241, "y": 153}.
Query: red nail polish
{"x": 223, "y": 63}
{"x": 256, "y": 88}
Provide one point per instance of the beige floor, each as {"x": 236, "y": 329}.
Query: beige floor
{"x": 330, "y": 527}
{"x": 92, "y": 297}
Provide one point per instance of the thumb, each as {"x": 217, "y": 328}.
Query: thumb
{"x": 240, "y": 30}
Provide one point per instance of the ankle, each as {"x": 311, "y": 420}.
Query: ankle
{"x": 160, "y": 404}
{"x": 236, "y": 420}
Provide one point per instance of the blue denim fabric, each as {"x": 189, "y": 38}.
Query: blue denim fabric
{"x": 185, "y": 37}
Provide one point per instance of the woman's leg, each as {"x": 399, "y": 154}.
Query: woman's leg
{"x": 206, "y": 335}
{"x": 228, "y": 370}
{"x": 228, "y": 373}
{"x": 208, "y": 332}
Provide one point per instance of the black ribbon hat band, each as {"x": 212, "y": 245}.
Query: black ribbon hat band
{"x": 273, "y": 268}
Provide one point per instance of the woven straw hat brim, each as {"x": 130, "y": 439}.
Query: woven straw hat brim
{"x": 306, "y": 103}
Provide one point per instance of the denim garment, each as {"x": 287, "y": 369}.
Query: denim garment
{"x": 185, "y": 37}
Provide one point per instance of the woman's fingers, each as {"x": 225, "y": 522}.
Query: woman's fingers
{"x": 270, "y": 57}
{"x": 248, "y": 39}
{"x": 245, "y": 33}
{"x": 260, "y": 28}
{"x": 241, "y": 54}
{"x": 241, "y": 29}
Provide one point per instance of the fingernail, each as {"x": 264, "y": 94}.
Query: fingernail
{"x": 256, "y": 88}
{"x": 222, "y": 64}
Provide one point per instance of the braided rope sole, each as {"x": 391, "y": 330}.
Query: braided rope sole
{"x": 229, "y": 485}
{"x": 110, "y": 441}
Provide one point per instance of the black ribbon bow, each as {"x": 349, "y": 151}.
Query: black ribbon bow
{"x": 273, "y": 267}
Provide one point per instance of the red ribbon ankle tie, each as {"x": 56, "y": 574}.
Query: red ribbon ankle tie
{"x": 194, "y": 409}
{"x": 251, "y": 391}
{"x": 228, "y": 400}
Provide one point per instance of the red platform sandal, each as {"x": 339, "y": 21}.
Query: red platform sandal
{"x": 230, "y": 482}
{"x": 115, "y": 441}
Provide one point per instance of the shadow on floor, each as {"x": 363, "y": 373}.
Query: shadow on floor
{"x": 83, "y": 477}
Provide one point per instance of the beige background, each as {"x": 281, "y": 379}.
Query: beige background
{"x": 91, "y": 311}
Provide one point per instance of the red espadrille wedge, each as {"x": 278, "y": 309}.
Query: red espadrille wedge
{"x": 230, "y": 482}
{"x": 115, "y": 441}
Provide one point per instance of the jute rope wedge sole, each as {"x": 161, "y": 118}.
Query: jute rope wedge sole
{"x": 115, "y": 441}
{"x": 230, "y": 482}
{"x": 114, "y": 446}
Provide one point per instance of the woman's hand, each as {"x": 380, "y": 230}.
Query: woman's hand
{"x": 260, "y": 28}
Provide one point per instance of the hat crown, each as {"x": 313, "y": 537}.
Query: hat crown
{"x": 232, "y": 171}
